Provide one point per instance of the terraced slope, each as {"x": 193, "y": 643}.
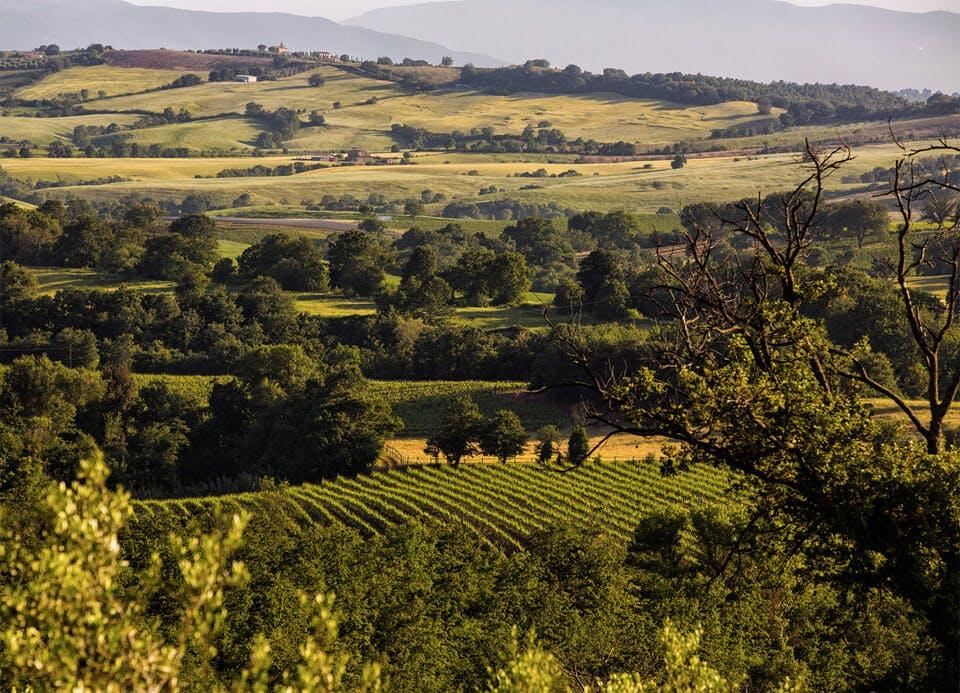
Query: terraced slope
{"x": 503, "y": 504}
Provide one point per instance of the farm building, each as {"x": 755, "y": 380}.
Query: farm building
{"x": 324, "y": 55}
{"x": 245, "y": 78}
{"x": 279, "y": 50}
{"x": 357, "y": 155}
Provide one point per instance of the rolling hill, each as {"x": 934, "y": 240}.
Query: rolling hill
{"x": 832, "y": 44}
{"x": 71, "y": 24}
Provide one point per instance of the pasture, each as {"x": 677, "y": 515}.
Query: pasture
{"x": 215, "y": 135}
{"x": 54, "y": 279}
{"x": 46, "y": 130}
{"x": 111, "y": 80}
{"x": 635, "y": 186}
{"x": 368, "y": 108}
{"x": 219, "y": 98}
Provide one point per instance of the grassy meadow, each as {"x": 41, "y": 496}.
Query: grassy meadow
{"x": 46, "y": 130}
{"x": 368, "y": 108}
{"x": 635, "y": 186}
{"x": 54, "y": 279}
{"x": 96, "y": 78}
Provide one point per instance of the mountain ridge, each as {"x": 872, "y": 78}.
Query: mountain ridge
{"x": 880, "y": 47}
{"x": 122, "y": 25}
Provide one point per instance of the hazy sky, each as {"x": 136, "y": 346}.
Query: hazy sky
{"x": 344, "y": 9}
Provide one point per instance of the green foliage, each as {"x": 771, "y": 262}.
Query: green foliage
{"x": 289, "y": 416}
{"x": 503, "y": 436}
{"x": 73, "y": 620}
{"x": 356, "y": 263}
{"x": 578, "y": 447}
{"x": 39, "y": 403}
{"x": 16, "y": 283}
{"x": 502, "y": 504}
{"x": 459, "y": 431}
{"x": 295, "y": 263}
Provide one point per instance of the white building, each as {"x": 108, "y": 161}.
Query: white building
{"x": 245, "y": 78}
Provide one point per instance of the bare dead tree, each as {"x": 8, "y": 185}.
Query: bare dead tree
{"x": 910, "y": 186}
{"x": 708, "y": 295}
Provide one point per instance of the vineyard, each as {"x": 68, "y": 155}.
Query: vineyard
{"x": 503, "y": 504}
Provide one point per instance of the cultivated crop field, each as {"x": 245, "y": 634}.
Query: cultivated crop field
{"x": 503, "y": 504}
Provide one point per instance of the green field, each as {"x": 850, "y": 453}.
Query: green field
{"x": 54, "y": 279}
{"x": 503, "y": 504}
{"x": 147, "y": 170}
{"x": 112, "y": 80}
{"x": 46, "y": 130}
{"x": 635, "y": 186}
{"x": 421, "y": 404}
{"x": 358, "y": 123}
{"x": 218, "y": 134}
{"x": 217, "y": 98}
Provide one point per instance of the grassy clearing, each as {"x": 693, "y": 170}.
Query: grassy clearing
{"x": 369, "y": 107}
{"x": 884, "y": 408}
{"x": 197, "y": 387}
{"x": 231, "y": 249}
{"x": 54, "y": 279}
{"x": 9, "y": 200}
{"x": 46, "y": 130}
{"x": 619, "y": 449}
{"x": 932, "y": 285}
{"x": 422, "y": 404}
{"x": 334, "y": 306}
{"x": 112, "y": 80}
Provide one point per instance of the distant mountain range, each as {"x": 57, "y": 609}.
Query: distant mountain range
{"x": 25, "y": 24}
{"x": 763, "y": 40}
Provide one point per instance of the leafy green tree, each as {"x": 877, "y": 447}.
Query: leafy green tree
{"x": 16, "y": 283}
{"x": 269, "y": 309}
{"x": 540, "y": 242}
{"x": 503, "y": 436}
{"x": 413, "y": 208}
{"x": 317, "y": 80}
{"x": 860, "y": 218}
{"x": 679, "y": 161}
{"x": 372, "y": 225}
{"x": 225, "y": 271}
{"x": 757, "y": 387}
{"x": 41, "y": 400}
{"x": 295, "y": 263}
{"x": 548, "y": 443}
{"x": 28, "y": 238}
{"x": 578, "y": 445}
{"x": 569, "y": 297}
{"x": 356, "y": 263}
{"x": 459, "y": 432}
{"x": 71, "y": 620}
